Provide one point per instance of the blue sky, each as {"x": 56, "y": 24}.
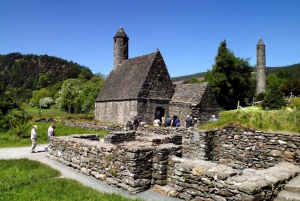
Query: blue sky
{"x": 187, "y": 32}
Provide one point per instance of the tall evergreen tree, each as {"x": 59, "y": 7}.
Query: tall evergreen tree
{"x": 230, "y": 78}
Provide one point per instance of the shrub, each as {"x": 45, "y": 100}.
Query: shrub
{"x": 260, "y": 96}
{"x": 295, "y": 102}
{"x": 46, "y": 102}
{"x": 273, "y": 100}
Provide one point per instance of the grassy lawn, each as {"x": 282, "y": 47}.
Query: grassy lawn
{"x": 8, "y": 139}
{"x": 285, "y": 120}
{"x": 26, "y": 180}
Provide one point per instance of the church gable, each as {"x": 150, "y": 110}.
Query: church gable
{"x": 125, "y": 82}
{"x": 158, "y": 84}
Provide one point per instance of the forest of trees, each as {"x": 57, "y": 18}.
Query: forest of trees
{"x": 21, "y": 74}
{"x": 44, "y": 81}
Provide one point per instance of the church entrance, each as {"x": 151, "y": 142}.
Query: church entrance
{"x": 159, "y": 113}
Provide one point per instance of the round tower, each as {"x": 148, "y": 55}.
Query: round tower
{"x": 261, "y": 67}
{"x": 120, "y": 47}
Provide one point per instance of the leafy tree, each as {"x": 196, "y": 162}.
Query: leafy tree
{"x": 283, "y": 74}
{"x": 46, "y": 102}
{"x": 43, "y": 80}
{"x": 37, "y": 96}
{"x": 292, "y": 85}
{"x": 78, "y": 95}
{"x": 70, "y": 89}
{"x": 230, "y": 78}
{"x": 274, "y": 99}
{"x": 273, "y": 80}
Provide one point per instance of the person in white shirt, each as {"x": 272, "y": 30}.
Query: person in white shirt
{"x": 156, "y": 122}
{"x": 33, "y": 138}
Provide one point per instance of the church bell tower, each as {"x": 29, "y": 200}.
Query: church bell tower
{"x": 120, "y": 47}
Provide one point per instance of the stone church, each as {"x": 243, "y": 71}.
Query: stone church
{"x": 142, "y": 87}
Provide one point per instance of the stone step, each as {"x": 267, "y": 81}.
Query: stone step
{"x": 288, "y": 196}
{"x": 293, "y": 185}
{"x": 291, "y": 191}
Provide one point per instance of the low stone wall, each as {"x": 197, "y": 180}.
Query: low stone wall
{"x": 202, "y": 180}
{"x": 133, "y": 166}
{"x": 242, "y": 148}
{"x": 229, "y": 163}
{"x": 95, "y": 126}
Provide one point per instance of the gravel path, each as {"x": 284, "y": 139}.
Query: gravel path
{"x": 70, "y": 173}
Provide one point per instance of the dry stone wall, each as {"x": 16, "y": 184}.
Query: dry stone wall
{"x": 196, "y": 180}
{"x": 133, "y": 166}
{"x": 241, "y": 147}
{"x": 229, "y": 163}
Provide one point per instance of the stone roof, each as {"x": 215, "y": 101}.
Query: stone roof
{"x": 126, "y": 81}
{"x": 121, "y": 33}
{"x": 189, "y": 93}
{"x": 260, "y": 42}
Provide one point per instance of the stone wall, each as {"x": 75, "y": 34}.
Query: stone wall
{"x": 133, "y": 166}
{"x": 241, "y": 147}
{"x": 116, "y": 111}
{"x": 147, "y": 107}
{"x": 195, "y": 180}
{"x": 229, "y": 163}
{"x": 202, "y": 115}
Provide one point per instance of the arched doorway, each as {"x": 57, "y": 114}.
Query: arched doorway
{"x": 159, "y": 113}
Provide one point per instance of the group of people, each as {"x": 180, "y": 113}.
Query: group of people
{"x": 174, "y": 122}
{"x": 34, "y": 134}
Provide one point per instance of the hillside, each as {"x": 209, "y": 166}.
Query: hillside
{"x": 293, "y": 69}
{"x": 25, "y": 73}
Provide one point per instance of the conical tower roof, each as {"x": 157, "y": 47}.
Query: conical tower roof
{"x": 260, "y": 42}
{"x": 121, "y": 33}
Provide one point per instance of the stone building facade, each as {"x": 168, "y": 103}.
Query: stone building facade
{"x": 261, "y": 67}
{"x": 142, "y": 87}
{"x": 196, "y": 100}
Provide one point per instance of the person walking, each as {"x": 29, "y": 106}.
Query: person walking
{"x": 50, "y": 133}
{"x": 33, "y": 138}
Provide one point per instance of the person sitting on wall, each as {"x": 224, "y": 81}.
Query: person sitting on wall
{"x": 136, "y": 123}
{"x": 188, "y": 121}
{"x": 156, "y": 122}
{"x": 173, "y": 122}
{"x": 168, "y": 121}
{"x": 213, "y": 118}
{"x": 177, "y": 122}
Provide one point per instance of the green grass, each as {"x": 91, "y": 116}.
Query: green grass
{"x": 26, "y": 180}
{"x": 256, "y": 118}
{"x": 8, "y": 139}
{"x": 55, "y": 113}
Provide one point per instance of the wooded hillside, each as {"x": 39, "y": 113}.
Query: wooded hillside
{"x": 25, "y": 73}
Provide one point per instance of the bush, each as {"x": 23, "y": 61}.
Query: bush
{"x": 260, "y": 97}
{"x": 46, "y": 102}
{"x": 295, "y": 102}
{"x": 273, "y": 100}
{"x": 15, "y": 120}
